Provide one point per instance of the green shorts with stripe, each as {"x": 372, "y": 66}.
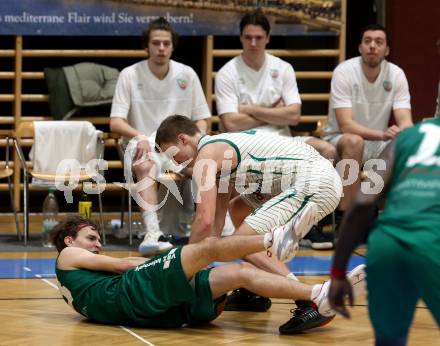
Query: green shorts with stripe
{"x": 321, "y": 185}
{"x": 158, "y": 294}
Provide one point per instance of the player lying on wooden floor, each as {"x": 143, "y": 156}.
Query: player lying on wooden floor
{"x": 175, "y": 288}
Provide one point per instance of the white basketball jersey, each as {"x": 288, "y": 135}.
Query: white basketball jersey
{"x": 264, "y": 160}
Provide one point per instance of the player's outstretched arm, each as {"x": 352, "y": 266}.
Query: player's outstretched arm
{"x": 354, "y": 227}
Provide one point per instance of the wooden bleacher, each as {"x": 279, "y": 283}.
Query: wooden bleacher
{"x": 23, "y": 95}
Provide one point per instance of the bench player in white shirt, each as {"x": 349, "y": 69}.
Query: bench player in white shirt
{"x": 257, "y": 90}
{"x": 365, "y": 91}
{"x": 146, "y": 93}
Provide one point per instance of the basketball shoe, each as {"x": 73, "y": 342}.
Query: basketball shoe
{"x": 243, "y": 300}
{"x": 154, "y": 243}
{"x": 285, "y": 238}
{"x": 356, "y": 277}
{"x": 305, "y": 317}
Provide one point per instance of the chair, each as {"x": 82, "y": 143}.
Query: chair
{"x": 25, "y": 131}
{"x": 7, "y": 172}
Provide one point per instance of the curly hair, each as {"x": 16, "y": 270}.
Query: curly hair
{"x": 70, "y": 228}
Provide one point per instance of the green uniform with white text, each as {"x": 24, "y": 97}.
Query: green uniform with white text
{"x": 403, "y": 261}
{"x": 154, "y": 294}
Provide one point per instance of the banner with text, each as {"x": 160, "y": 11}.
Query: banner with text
{"x": 131, "y": 17}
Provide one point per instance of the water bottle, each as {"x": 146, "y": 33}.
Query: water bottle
{"x": 85, "y": 206}
{"x": 50, "y": 216}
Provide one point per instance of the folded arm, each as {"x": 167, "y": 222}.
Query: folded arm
{"x": 275, "y": 115}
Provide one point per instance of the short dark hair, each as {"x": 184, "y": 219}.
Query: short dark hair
{"x": 69, "y": 227}
{"x": 255, "y": 18}
{"x": 174, "y": 125}
{"x": 159, "y": 24}
{"x": 375, "y": 27}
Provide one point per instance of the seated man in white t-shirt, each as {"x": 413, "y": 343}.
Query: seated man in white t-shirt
{"x": 257, "y": 90}
{"x": 365, "y": 90}
{"x": 146, "y": 93}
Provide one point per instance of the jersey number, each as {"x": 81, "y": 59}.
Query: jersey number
{"x": 427, "y": 149}
{"x": 67, "y": 296}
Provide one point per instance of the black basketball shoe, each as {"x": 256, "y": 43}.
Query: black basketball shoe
{"x": 305, "y": 317}
{"x": 243, "y": 300}
{"x": 317, "y": 239}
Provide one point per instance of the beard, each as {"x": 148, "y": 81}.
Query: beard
{"x": 372, "y": 63}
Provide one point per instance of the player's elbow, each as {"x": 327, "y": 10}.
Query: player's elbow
{"x": 206, "y": 224}
{"x": 228, "y": 124}
{"x": 123, "y": 265}
{"x": 294, "y": 119}
{"x": 346, "y": 128}
{"x": 202, "y": 227}
{"x": 115, "y": 124}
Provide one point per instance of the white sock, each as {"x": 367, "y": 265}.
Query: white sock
{"x": 268, "y": 240}
{"x": 316, "y": 289}
{"x": 150, "y": 221}
{"x": 292, "y": 276}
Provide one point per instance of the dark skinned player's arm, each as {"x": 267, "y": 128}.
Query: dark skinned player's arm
{"x": 357, "y": 220}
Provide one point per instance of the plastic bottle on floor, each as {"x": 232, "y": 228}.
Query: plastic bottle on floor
{"x": 85, "y": 206}
{"x": 50, "y": 216}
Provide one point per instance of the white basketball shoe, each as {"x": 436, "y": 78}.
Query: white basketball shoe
{"x": 154, "y": 243}
{"x": 357, "y": 280}
{"x": 285, "y": 238}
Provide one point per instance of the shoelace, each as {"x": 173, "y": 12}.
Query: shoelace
{"x": 311, "y": 313}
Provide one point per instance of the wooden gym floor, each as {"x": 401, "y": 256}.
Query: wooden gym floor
{"x": 33, "y": 313}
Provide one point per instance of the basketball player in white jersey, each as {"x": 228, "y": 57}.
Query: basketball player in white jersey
{"x": 145, "y": 94}
{"x": 278, "y": 179}
{"x": 257, "y": 90}
{"x": 364, "y": 92}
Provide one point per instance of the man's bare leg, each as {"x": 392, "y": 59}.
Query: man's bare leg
{"x": 148, "y": 192}
{"x": 260, "y": 259}
{"x": 228, "y": 277}
{"x": 238, "y": 211}
{"x": 350, "y": 147}
{"x": 195, "y": 257}
{"x": 281, "y": 241}
{"x": 326, "y": 149}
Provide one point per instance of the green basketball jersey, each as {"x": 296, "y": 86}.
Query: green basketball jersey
{"x": 412, "y": 210}
{"x": 156, "y": 293}
{"x": 80, "y": 287}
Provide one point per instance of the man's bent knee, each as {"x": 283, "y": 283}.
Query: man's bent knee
{"x": 350, "y": 145}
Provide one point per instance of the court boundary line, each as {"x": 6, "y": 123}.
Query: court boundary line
{"x": 129, "y": 331}
{"x": 122, "y": 327}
